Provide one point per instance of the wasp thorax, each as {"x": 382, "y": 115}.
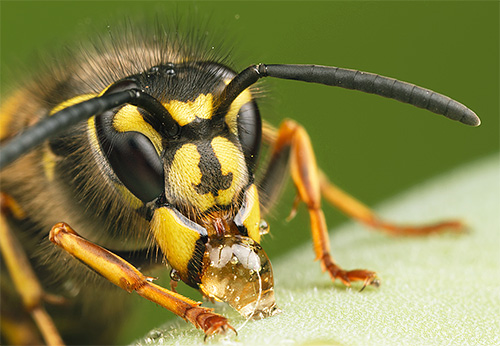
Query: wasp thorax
{"x": 236, "y": 270}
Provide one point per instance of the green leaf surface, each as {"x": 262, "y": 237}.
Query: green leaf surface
{"x": 437, "y": 290}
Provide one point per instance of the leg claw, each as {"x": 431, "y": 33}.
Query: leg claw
{"x": 211, "y": 323}
{"x": 368, "y": 277}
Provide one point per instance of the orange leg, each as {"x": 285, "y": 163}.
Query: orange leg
{"x": 124, "y": 275}
{"x": 23, "y": 277}
{"x": 357, "y": 210}
{"x": 293, "y": 140}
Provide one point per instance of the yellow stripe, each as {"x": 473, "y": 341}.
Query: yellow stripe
{"x": 232, "y": 114}
{"x": 175, "y": 236}
{"x": 71, "y": 102}
{"x": 251, "y": 221}
{"x": 231, "y": 160}
{"x": 92, "y": 133}
{"x": 49, "y": 163}
{"x": 128, "y": 118}
{"x": 131, "y": 199}
{"x": 184, "y": 174}
{"x": 186, "y": 112}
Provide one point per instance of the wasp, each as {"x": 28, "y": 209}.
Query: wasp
{"x": 145, "y": 152}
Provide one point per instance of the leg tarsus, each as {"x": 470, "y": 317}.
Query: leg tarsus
{"x": 207, "y": 321}
{"x": 360, "y": 212}
{"x": 454, "y": 226}
{"x": 347, "y": 276}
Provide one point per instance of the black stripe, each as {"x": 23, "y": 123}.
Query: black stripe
{"x": 212, "y": 179}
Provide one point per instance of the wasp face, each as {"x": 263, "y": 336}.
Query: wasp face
{"x": 205, "y": 168}
{"x": 192, "y": 168}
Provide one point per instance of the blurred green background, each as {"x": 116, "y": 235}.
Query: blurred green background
{"x": 371, "y": 146}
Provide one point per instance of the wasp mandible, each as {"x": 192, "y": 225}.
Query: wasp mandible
{"x": 131, "y": 157}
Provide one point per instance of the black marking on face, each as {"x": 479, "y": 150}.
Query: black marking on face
{"x": 212, "y": 179}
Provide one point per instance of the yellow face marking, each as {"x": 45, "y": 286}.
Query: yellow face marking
{"x": 232, "y": 114}
{"x": 231, "y": 160}
{"x": 185, "y": 112}
{"x": 249, "y": 214}
{"x": 132, "y": 200}
{"x": 92, "y": 133}
{"x": 176, "y": 237}
{"x": 185, "y": 174}
{"x": 71, "y": 102}
{"x": 251, "y": 220}
{"x": 128, "y": 118}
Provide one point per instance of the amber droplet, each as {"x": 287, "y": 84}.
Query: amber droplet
{"x": 236, "y": 270}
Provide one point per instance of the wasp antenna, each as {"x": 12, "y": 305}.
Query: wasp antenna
{"x": 238, "y": 84}
{"x": 60, "y": 121}
{"x": 356, "y": 80}
{"x": 70, "y": 116}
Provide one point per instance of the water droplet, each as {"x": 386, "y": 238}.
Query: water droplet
{"x": 263, "y": 227}
{"x": 241, "y": 276}
{"x": 174, "y": 275}
{"x": 154, "y": 335}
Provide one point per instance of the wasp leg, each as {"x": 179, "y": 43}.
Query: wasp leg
{"x": 357, "y": 210}
{"x": 126, "y": 276}
{"x": 293, "y": 144}
{"x": 23, "y": 277}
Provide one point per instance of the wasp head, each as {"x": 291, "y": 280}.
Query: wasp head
{"x": 204, "y": 205}
{"x": 190, "y": 164}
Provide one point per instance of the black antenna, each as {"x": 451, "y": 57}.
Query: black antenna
{"x": 350, "y": 79}
{"x": 70, "y": 116}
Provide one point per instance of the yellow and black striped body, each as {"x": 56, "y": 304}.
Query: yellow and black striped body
{"x": 207, "y": 168}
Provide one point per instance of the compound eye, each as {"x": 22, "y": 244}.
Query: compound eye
{"x": 131, "y": 155}
{"x": 137, "y": 164}
{"x": 250, "y": 132}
